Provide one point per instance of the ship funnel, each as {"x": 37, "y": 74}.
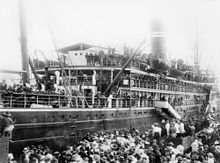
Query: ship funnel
{"x": 158, "y": 41}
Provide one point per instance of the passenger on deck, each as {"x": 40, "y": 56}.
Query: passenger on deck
{"x": 7, "y": 124}
{"x": 3, "y": 85}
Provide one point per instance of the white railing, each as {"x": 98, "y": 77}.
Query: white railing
{"x": 25, "y": 100}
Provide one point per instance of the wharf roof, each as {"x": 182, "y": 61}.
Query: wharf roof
{"x": 78, "y": 47}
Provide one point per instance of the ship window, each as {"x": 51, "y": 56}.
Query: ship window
{"x": 139, "y": 112}
{"x": 103, "y": 115}
{"x": 112, "y": 114}
{"x": 62, "y": 117}
{"x": 13, "y": 119}
{"x": 50, "y": 118}
{"x": 34, "y": 119}
{"x": 75, "y": 54}
{"x": 80, "y": 53}
{"x": 96, "y": 115}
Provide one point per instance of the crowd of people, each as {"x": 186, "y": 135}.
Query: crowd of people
{"x": 171, "y": 141}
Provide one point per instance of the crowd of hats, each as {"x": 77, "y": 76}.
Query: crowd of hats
{"x": 130, "y": 146}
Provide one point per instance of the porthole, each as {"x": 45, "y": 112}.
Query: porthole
{"x": 34, "y": 119}
{"x": 50, "y": 118}
{"x": 62, "y": 118}
{"x": 14, "y": 120}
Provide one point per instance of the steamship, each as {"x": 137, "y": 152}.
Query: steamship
{"x": 95, "y": 89}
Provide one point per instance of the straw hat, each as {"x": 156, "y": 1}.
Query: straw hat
{"x": 210, "y": 155}
{"x": 6, "y": 114}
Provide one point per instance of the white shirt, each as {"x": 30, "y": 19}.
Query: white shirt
{"x": 177, "y": 126}
{"x": 157, "y": 129}
{"x": 167, "y": 126}
{"x": 181, "y": 128}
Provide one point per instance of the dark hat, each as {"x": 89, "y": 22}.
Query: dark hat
{"x": 56, "y": 153}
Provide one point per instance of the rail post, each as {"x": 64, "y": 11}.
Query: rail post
{"x": 11, "y": 101}
{"x": 25, "y": 100}
{"x": 37, "y": 99}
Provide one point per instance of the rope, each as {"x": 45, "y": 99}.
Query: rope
{"x": 64, "y": 75}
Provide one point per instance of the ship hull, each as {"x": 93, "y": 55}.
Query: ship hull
{"x": 70, "y": 125}
{"x": 59, "y": 127}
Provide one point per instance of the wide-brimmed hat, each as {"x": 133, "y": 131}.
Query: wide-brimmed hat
{"x": 6, "y": 114}
{"x": 216, "y": 142}
{"x": 131, "y": 158}
{"x": 25, "y": 149}
{"x": 56, "y": 153}
{"x": 210, "y": 155}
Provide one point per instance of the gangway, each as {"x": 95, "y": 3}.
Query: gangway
{"x": 166, "y": 107}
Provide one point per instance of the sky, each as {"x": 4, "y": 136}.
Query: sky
{"x": 111, "y": 23}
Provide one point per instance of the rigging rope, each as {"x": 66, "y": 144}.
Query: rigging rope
{"x": 67, "y": 88}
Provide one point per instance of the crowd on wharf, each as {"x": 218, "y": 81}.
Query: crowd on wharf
{"x": 196, "y": 140}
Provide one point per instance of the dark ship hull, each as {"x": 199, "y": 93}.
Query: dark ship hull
{"x": 69, "y": 126}
{"x": 59, "y": 127}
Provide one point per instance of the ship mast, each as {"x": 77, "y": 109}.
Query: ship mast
{"x": 23, "y": 41}
{"x": 196, "y": 53}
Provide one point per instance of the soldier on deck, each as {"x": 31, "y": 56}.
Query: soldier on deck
{"x": 7, "y": 124}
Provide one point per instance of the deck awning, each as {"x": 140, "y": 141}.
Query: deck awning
{"x": 78, "y": 47}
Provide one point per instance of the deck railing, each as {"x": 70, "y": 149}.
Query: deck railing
{"x": 168, "y": 87}
{"x": 25, "y": 100}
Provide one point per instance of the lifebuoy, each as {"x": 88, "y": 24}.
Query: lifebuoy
{"x": 132, "y": 82}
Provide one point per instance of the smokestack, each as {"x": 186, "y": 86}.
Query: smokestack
{"x": 158, "y": 41}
